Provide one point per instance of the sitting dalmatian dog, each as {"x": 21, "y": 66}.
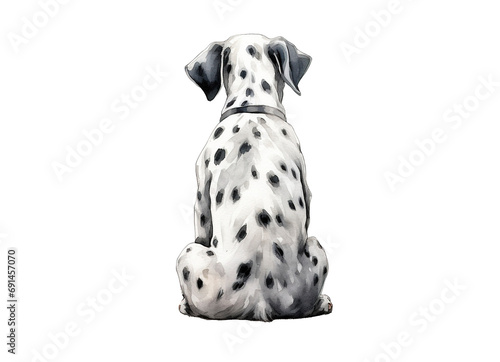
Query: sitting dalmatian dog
{"x": 252, "y": 258}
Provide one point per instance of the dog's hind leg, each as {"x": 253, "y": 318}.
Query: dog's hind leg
{"x": 201, "y": 277}
{"x": 314, "y": 271}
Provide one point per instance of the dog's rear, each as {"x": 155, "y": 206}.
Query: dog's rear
{"x": 252, "y": 258}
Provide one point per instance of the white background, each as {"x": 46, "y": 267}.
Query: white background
{"x": 128, "y": 204}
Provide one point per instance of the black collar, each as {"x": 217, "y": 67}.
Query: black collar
{"x": 254, "y": 109}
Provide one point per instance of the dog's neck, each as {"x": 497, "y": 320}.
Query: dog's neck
{"x": 245, "y": 87}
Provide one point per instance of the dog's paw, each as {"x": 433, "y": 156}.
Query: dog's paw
{"x": 184, "y": 307}
{"x": 323, "y": 305}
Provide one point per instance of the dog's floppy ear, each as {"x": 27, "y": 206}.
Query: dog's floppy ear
{"x": 205, "y": 70}
{"x": 292, "y": 62}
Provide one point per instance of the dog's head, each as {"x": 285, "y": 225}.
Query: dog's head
{"x": 242, "y": 55}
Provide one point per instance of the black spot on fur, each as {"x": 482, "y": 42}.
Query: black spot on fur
{"x": 283, "y": 167}
{"x": 242, "y": 233}
{"x": 238, "y": 285}
{"x": 203, "y": 220}
{"x": 243, "y": 73}
{"x": 219, "y": 156}
{"x": 256, "y": 133}
{"x": 278, "y": 252}
{"x": 278, "y": 220}
{"x": 273, "y": 179}
{"x": 291, "y": 204}
{"x": 207, "y": 161}
{"x": 255, "y": 174}
{"x": 185, "y": 273}
{"x": 210, "y": 253}
{"x": 236, "y": 129}
{"x": 294, "y": 174}
{"x": 215, "y": 242}
{"x": 261, "y": 120}
{"x": 244, "y": 148}
{"x": 315, "y": 260}
{"x": 244, "y": 270}
{"x": 218, "y": 132}
{"x": 198, "y": 195}
{"x": 235, "y": 195}
{"x": 218, "y": 198}
{"x": 316, "y": 279}
{"x": 220, "y": 294}
{"x": 266, "y": 86}
{"x": 251, "y": 50}
{"x": 199, "y": 283}
{"x": 249, "y": 92}
{"x": 264, "y": 218}
{"x": 284, "y": 132}
{"x": 231, "y": 102}
{"x": 269, "y": 281}
{"x": 188, "y": 250}
{"x": 325, "y": 270}
{"x": 242, "y": 274}
{"x": 244, "y": 103}
{"x": 301, "y": 203}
